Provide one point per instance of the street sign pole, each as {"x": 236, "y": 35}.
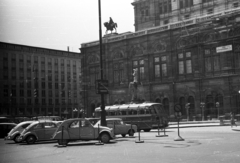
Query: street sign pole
{"x": 178, "y": 115}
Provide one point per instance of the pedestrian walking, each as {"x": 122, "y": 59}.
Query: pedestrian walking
{"x": 232, "y": 119}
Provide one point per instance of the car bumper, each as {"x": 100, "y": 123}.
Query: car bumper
{"x": 8, "y": 138}
{"x": 21, "y": 138}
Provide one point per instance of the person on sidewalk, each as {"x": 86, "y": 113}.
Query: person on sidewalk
{"x": 232, "y": 119}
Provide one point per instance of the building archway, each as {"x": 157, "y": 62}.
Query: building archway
{"x": 219, "y": 110}
{"x": 182, "y": 104}
{"x": 158, "y": 100}
{"x": 209, "y": 109}
{"x": 166, "y": 105}
{"x": 192, "y": 106}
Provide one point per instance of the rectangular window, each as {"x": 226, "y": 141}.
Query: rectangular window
{"x": 35, "y": 59}
{"x": 43, "y": 93}
{"x": 210, "y": 11}
{"x": 43, "y": 101}
{"x": 94, "y": 75}
{"x": 118, "y": 73}
{"x": 29, "y": 93}
{"x": 181, "y": 67}
{"x": 189, "y": 66}
{"x": 164, "y": 69}
{"x": 50, "y": 93}
{"x": 42, "y": 59}
{"x": 139, "y": 65}
{"x": 235, "y": 5}
{"x": 21, "y": 93}
{"x": 184, "y": 63}
{"x": 29, "y": 101}
{"x": 157, "y": 71}
{"x": 216, "y": 63}
{"x": 208, "y": 64}
{"x": 141, "y": 73}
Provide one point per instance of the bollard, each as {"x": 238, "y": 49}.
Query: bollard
{"x": 139, "y": 141}
{"x": 164, "y": 132}
{"x": 131, "y": 130}
{"x": 62, "y": 145}
{"x": 99, "y": 139}
{"x": 158, "y": 135}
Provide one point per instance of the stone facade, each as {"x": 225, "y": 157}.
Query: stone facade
{"x": 179, "y": 63}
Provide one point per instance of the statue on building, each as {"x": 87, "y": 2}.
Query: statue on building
{"x": 133, "y": 86}
{"x": 110, "y": 26}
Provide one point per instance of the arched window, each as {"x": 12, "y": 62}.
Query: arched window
{"x": 122, "y": 102}
{"x": 219, "y": 98}
{"x": 158, "y": 100}
{"x": 182, "y": 103}
{"x": 166, "y": 105}
{"x": 192, "y": 106}
{"x": 209, "y": 106}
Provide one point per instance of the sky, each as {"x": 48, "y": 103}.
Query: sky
{"x": 57, "y": 24}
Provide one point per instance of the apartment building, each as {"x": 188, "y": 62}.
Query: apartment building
{"x": 38, "y": 81}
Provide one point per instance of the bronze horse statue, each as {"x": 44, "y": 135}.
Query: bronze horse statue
{"x": 110, "y": 26}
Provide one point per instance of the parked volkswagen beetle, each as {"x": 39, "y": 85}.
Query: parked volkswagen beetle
{"x": 14, "y": 134}
{"x": 38, "y": 130}
{"x": 81, "y": 129}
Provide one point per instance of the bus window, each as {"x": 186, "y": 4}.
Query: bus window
{"x": 134, "y": 112}
{"x": 123, "y": 112}
{"x": 112, "y": 113}
{"x": 141, "y": 111}
{"x": 157, "y": 108}
{"x": 129, "y": 112}
{"x": 147, "y": 111}
{"x": 152, "y": 110}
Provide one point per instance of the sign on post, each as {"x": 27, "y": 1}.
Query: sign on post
{"x": 101, "y": 86}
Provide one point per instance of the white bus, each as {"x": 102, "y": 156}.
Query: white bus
{"x": 145, "y": 115}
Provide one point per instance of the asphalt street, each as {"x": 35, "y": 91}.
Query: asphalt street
{"x": 201, "y": 145}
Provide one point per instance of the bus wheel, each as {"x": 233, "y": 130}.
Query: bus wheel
{"x": 123, "y": 135}
{"x": 131, "y": 133}
{"x": 147, "y": 130}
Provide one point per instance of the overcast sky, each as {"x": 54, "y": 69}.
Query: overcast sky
{"x": 57, "y": 24}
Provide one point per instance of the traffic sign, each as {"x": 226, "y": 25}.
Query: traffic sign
{"x": 101, "y": 86}
{"x": 177, "y": 108}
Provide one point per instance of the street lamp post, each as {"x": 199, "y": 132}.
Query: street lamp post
{"x": 103, "y": 113}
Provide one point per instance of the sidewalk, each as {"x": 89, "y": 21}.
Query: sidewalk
{"x": 184, "y": 124}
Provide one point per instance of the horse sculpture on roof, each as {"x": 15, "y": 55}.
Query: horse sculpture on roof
{"x": 110, "y": 26}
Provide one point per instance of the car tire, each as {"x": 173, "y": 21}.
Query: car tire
{"x": 131, "y": 132}
{"x": 123, "y": 135}
{"x": 31, "y": 139}
{"x": 16, "y": 139}
{"x": 105, "y": 138}
{"x": 62, "y": 142}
